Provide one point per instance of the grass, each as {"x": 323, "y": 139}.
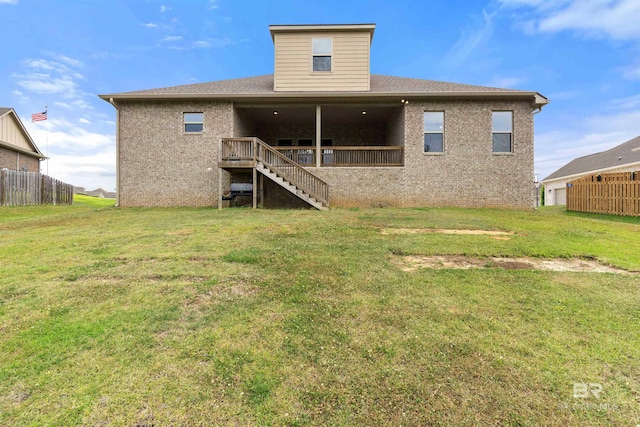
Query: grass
{"x": 195, "y": 316}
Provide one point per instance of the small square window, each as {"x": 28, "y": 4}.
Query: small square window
{"x": 193, "y": 122}
{"x": 321, "y": 54}
{"x": 502, "y": 130}
{"x": 434, "y": 132}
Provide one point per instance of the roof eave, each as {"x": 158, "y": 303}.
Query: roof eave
{"x": 589, "y": 172}
{"x": 273, "y": 29}
{"x": 537, "y": 98}
{"x": 21, "y": 150}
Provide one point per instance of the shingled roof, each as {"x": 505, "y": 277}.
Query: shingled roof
{"x": 623, "y": 154}
{"x": 262, "y": 87}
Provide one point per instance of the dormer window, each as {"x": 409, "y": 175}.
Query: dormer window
{"x": 321, "y": 51}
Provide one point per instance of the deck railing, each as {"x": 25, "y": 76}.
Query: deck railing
{"x": 345, "y": 156}
{"x": 257, "y": 150}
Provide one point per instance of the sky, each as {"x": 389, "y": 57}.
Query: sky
{"x": 584, "y": 55}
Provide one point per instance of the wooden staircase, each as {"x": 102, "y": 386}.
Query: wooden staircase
{"x": 256, "y": 154}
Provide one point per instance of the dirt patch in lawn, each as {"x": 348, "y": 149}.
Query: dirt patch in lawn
{"x": 500, "y": 235}
{"x": 413, "y": 262}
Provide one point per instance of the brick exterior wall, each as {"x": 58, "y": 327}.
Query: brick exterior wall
{"x": 468, "y": 173}
{"x": 160, "y": 165}
{"x": 9, "y": 159}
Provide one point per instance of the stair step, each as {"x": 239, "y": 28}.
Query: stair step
{"x": 299, "y": 192}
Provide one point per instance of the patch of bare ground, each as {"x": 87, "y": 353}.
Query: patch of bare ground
{"x": 500, "y": 235}
{"x": 414, "y": 262}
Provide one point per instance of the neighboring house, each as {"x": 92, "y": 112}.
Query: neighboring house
{"x": 622, "y": 158}
{"x": 357, "y": 139}
{"x": 17, "y": 149}
{"x": 98, "y": 192}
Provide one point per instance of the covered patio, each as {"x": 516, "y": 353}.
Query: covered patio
{"x": 328, "y": 135}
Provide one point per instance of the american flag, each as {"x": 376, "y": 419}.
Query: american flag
{"x": 37, "y": 117}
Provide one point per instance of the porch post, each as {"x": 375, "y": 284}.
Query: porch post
{"x": 255, "y": 186}
{"x": 318, "y": 135}
{"x": 219, "y": 187}
{"x": 219, "y": 173}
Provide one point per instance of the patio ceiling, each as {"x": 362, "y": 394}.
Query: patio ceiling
{"x": 340, "y": 115}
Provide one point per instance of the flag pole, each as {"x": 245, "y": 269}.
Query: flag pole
{"x": 46, "y": 108}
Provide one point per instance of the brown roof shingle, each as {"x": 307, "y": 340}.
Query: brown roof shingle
{"x": 263, "y": 85}
{"x": 623, "y": 154}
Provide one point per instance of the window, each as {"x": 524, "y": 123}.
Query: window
{"x": 193, "y": 122}
{"x": 321, "y": 52}
{"x": 434, "y": 132}
{"x": 502, "y": 125}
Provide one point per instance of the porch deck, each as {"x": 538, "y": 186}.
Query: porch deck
{"x": 237, "y": 153}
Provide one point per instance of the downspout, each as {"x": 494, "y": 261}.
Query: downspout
{"x": 112, "y": 102}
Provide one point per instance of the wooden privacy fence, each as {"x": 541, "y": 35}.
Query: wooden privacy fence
{"x": 19, "y": 188}
{"x": 608, "y": 193}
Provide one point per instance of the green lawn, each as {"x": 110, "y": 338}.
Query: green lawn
{"x": 191, "y": 317}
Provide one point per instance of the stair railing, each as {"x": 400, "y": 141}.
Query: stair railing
{"x": 290, "y": 171}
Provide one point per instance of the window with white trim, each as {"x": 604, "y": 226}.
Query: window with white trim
{"x": 321, "y": 50}
{"x": 502, "y": 131}
{"x": 434, "y": 131}
{"x": 193, "y": 122}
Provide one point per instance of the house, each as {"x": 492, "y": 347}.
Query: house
{"x": 98, "y": 192}
{"x": 322, "y": 130}
{"x": 17, "y": 150}
{"x": 622, "y": 158}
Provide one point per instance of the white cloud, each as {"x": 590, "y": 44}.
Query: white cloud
{"x": 62, "y": 105}
{"x": 201, "y": 44}
{"x": 150, "y": 25}
{"x": 84, "y": 121}
{"x": 171, "y": 38}
{"x": 590, "y": 135}
{"x": 469, "y": 41}
{"x": 506, "y": 82}
{"x": 164, "y": 8}
{"x": 46, "y": 84}
{"x": 69, "y": 61}
{"x": 63, "y": 134}
{"x": 627, "y": 103}
{"x": 77, "y": 156}
{"x": 615, "y": 19}
{"x": 564, "y": 95}
{"x": 631, "y": 72}
{"x": 213, "y": 4}
{"x": 17, "y": 93}
{"x": 90, "y": 170}
{"x": 54, "y": 79}
{"x": 8, "y": 1}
